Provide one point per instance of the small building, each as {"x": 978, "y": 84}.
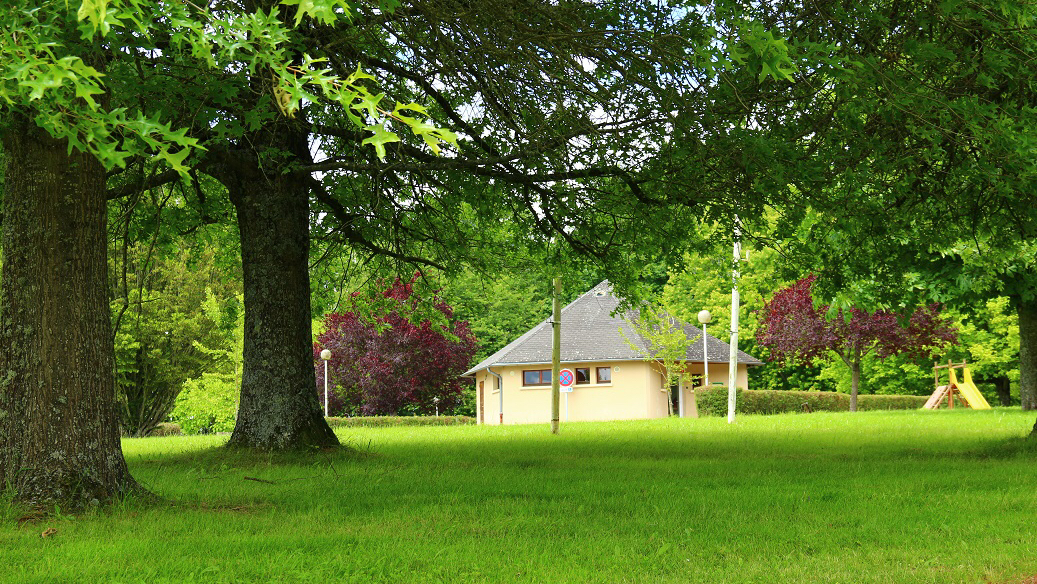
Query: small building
{"x": 613, "y": 380}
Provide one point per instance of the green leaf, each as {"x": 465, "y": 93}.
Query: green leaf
{"x": 357, "y": 76}
{"x": 86, "y": 91}
{"x": 323, "y": 11}
{"x": 409, "y": 107}
{"x": 368, "y": 103}
{"x": 93, "y": 11}
{"x": 175, "y": 159}
{"x": 380, "y": 138}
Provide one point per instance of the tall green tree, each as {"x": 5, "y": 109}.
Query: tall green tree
{"x": 75, "y": 105}
{"x": 927, "y": 183}
{"x": 160, "y": 333}
{"x": 498, "y": 307}
{"x": 59, "y": 431}
{"x": 527, "y": 121}
{"x": 989, "y": 339}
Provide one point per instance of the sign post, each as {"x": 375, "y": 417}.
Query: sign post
{"x": 556, "y": 353}
{"x": 566, "y": 379}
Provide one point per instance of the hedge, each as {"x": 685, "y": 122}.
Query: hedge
{"x": 713, "y": 401}
{"x": 374, "y": 421}
{"x": 166, "y": 429}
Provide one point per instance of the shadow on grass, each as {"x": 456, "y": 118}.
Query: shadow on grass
{"x": 221, "y": 455}
{"x": 1024, "y": 447}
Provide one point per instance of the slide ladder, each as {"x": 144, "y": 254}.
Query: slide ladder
{"x": 936, "y": 398}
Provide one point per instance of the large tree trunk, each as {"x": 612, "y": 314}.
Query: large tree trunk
{"x": 59, "y": 430}
{"x": 279, "y": 407}
{"x": 1028, "y": 353}
{"x": 1028, "y": 356}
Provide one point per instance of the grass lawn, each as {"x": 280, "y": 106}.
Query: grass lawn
{"x": 948, "y": 496}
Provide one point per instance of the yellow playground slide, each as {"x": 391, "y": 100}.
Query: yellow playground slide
{"x": 969, "y": 391}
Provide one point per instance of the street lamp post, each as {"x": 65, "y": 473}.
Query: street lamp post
{"x": 705, "y": 318}
{"x": 325, "y": 355}
{"x": 732, "y": 361}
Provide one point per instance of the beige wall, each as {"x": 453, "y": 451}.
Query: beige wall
{"x": 635, "y": 392}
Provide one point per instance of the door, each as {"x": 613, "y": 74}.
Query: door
{"x": 482, "y": 402}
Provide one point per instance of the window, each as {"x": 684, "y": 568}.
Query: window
{"x": 536, "y": 377}
{"x": 583, "y": 375}
{"x": 604, "y": 374}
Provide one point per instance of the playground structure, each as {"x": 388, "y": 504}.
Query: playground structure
{"x": 965, "y": 391}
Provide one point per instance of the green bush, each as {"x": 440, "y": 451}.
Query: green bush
{"x": 207, "y": 404}
{"x": 373, "y": 421}
{"x": 713, "y": 402}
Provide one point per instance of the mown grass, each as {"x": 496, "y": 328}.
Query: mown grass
{"x": 909, "y": 496}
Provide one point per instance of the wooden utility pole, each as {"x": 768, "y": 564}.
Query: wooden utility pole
{"x": 556, "y": 355}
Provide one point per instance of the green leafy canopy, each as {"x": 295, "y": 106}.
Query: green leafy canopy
{"x": 56, "y": 77}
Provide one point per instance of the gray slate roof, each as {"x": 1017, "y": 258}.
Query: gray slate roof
{"x": 591, "y": 333}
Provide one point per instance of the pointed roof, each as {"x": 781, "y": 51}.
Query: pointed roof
{"x": 590, "y": 332}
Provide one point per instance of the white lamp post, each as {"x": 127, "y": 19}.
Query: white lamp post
{"x": 705, "y": 318}
{"x": 732, "y": 361}
{"x": 325, "y": 355}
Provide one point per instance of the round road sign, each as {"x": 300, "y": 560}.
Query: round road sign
{"x": 566, "y": 378}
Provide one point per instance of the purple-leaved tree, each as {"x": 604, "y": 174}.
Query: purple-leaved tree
{"x": 797, "y": 330}
{"x": 383, "y": 364}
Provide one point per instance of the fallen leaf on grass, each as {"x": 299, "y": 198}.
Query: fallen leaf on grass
{"x": 48, "y": 532}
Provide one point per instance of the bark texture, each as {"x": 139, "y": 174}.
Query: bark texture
{"x": 59, "y": 429}
{"x": 1028, "y": 353}
{"x": 855, "y": 383}
{"x": 279, "y": 409}
{"x": 855, "y": 377}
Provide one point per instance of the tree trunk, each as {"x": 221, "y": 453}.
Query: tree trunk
{"x": 855, "y": 383}
{"x": 855, "y": 377}
{"x": 279, "y": 408}
{"x": 1028, "y": 353}
{"x": 1003, "y": 386}
{"x": 59, "y": 430}
{"x": 1028, "y": 356}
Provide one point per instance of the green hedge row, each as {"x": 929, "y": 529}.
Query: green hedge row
{"x": 173, "y": 429}
{"x": 375, "y": 421}
{"x": 713, "y": 401}
{"x": 166, "y": 429}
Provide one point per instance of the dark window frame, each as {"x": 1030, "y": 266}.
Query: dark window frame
{"x": 597, "y": 375}
{"x": 542, "y": 375}
{"x": 587, "y": 378}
